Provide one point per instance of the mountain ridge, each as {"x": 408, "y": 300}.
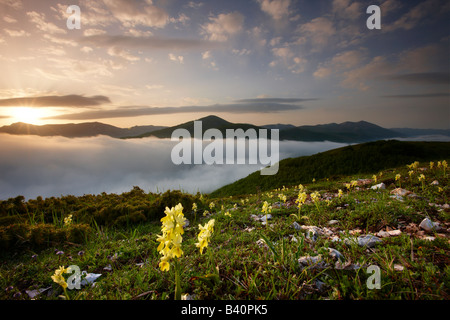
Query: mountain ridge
{"x": 347, "y": 132}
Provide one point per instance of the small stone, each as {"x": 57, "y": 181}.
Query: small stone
{"x": 368, "y": 240}
{"x": 400, "y": 192}
{"x": 398, "y": 267}
{"x": 378, "y": 186}
{"x": 429, "y": 225}
{"x": 332, "y": 222}
{"x": 435, "y": 183}
{"x": 383, "y": 234}
{"x": 296, "y": 226}
{"x": 312, "y": 261}
{"x": 394, "y": 233}
{"x": 336, "y": 255}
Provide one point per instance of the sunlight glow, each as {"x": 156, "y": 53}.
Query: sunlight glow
{"x": 27, "y": 115}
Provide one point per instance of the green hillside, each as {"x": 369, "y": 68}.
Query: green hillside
{"x": 368, "y": 157}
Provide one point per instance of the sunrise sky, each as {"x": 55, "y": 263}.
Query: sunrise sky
{"x": 164, "y": 62}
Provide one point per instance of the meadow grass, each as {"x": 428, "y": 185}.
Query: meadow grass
{"x": 246, "y": 259}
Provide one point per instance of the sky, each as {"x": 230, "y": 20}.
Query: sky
{"x": 164, "y": 62}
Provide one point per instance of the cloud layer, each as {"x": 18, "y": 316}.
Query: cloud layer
{"x": 250, "y": 106}
{"x": 72, "y": 100}
{"x": 33, "y": 166}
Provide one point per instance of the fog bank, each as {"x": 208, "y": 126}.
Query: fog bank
{"x": 53, "y": 166}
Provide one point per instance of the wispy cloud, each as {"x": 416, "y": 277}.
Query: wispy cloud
{"x": 275, "y": 100}
{"x": 422, "y": 95}
{"x": 255, "y": 106}
{"x": 72, "y": 100}
{"x": 422, "y": 78}
{"x": 148, "y": 42}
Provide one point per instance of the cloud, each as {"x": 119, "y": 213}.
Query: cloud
{"x": 418, "y": 14}
{"x": 122, "y": 53}
{"x": 277, "y": 9}
{"x": 72, "y": 100}
{"x": 347, "y": 9}
{"x": 317, "y": 32}
{"x": 243, "y": 107}
{"x": 342, "y": 61}
{"x": 275, "y": 100}
{"x": 15, "y": 4}
{"x": 178, "y": 59}
{"x": 222, "y": 27}
{"x": 17, "y": 33}
{"x": 422, "y": 78}
{"x": 420, "y": 95}
{"x": 55, "y": 166}
{"x": 286, "y": 57}
{"x": 148, "y": 42}
{"x": 48, "y": 27}
{"x": 133, "y": 12}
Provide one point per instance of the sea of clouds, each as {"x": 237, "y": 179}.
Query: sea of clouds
{"x": 53, "y": 166}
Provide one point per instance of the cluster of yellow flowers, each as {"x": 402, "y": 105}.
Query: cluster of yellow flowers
{"x": 301, "y": 198}
{"x": 340, "y": 193}
{"x": 58, "y": 278}
{"x": 282, "y": 197}
{"x": 68, "y": 220}
{"x": 266, "y": 208}
{"x": 413, "y": 165}
{"x": 351, "y": 185}
{"x": 315, "y": 196}
{"x": 170, "y": 240}
{"x": 205, "y": 234}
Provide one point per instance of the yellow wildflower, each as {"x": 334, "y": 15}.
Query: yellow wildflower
{"x": 266, "y": 208}
{"x": 205, "y": 235}
{"x": 170, "y": 240}
{"x": 58, "y": 278}
{"x": 431, "y": 165}
{"x": 212, "y": 205}
{"x": 315, "y": 196}
{"x": 68, "y": 220}
{"x": 340, "y": 193}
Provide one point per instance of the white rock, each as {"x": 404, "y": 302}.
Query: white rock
{"x": 312, "y": 261}
{"x": 398, "y": 267}
{"x": 394, "y": 233}
{"x": 400, "y": 192}
{"x": 397, "y": 197}
{"x": 429, "y": 225}
{"x": 336, "y": 255}
{"x": 378, "y": 186}
{"x": 90, "y": 277}
{"x": 383, "y": 234}
{"x": 435, "y": 183}
{"x": 296, "y": 226}
{"x": 368, "y": 240}
{"x": 332, "y": 222}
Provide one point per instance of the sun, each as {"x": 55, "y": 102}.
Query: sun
{"x": 27, "y": 115}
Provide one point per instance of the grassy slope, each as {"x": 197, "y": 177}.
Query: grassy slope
{"x": 362, "y": 158}
{"x": 247, "y": 267}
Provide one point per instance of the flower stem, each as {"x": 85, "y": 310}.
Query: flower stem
{"x": 177, "y": 281}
